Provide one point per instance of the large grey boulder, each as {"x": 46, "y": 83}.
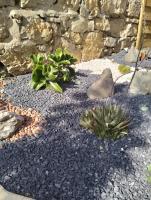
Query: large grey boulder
{"x": 9, "y": 123}
{"x": 5, "y": 195}
{"x": 103, "y": 87}
{"x": 141, "y": 84}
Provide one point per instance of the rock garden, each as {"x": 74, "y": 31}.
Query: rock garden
{"x": 75, "y": 100}
{"x": 76, "y": 131}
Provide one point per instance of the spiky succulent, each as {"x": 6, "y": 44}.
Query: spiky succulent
{"x": 108, "y": 122}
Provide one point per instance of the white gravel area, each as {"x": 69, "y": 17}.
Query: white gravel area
{"x": 97, "y": 66}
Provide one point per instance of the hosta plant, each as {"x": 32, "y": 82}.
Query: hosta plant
{"x": 50, "y": 71}
{"x": 108, "y": 122}
{"x": 124, "y": 69}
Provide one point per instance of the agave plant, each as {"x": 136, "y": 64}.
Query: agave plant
{"x": 107, "y": 122}
{"x": 52, "y": 70}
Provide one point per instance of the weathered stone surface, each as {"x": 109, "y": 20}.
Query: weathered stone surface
{"x": 31, "y": 3}
{"x": 116, "y": 27}
{"x": 79, "y": 26}
{"x": 7, "y": 3}
{"x": 134, "y": 8}
{"x": 102, "y": 24}
{"x": 9, "y": 123}
{"x": 76, "y": 38}
{"x": 132, "y": 21}
{"x": 58, "y": 5}
{"x": 16, "y": 57}
{"x": 92, "y": 46}
{"x": 141, "y": 83}
{"x": 114, "y": 8}
{"x": 73, "y": 4}
{"x": 5, "y": 195}
{"x": 71, "y": 47}
{"x": 38, "y": 31}
{"x": 103, "y": 87}
{"x": 126, "y": 42}
{"x": 84, "y": 12}
{"x": 93, "y": 7}
{"x": 87, "y": 25}
{"x": 4, "y": 33}
{"x": 110, "y": 42}
{"x": 130, "y": 31}
{"x": 91, "y": 26}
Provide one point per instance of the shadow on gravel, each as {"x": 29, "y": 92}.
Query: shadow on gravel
{"x": 67, "y": 162}
{"x": 74, "y": 83}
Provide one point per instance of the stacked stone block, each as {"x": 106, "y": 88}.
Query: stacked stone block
{"x": 88, "y": 29}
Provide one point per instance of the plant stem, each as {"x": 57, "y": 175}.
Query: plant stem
{"x": 136, "y": 69}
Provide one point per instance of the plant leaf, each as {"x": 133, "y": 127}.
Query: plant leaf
{"x": 56, "y": 87}
{"x": 37, "y": 74}
{"x": 64, "y": 62}
{"x": 59, "y": 53}
{"x": 41, "y": 84}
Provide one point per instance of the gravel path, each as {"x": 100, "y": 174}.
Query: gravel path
{"x": 67, "y": 162}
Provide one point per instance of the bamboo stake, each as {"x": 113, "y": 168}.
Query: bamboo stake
{"x": 140, "y": 26}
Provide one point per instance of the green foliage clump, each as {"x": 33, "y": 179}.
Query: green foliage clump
{"x": 107, "y": 122}
{"x": 124, "y": 69}
{"x": 52, "y": 70}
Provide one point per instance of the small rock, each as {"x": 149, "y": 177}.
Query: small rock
{"x": 132, "y": 55}
{"x": 144, "y": 108}
{"x": 116, "y": 190}
{"x": 103, "y": 87}
{"x": 103, "y": 195}
{"x": 141, "y": 83}
{"x": 57, "y": 185}
{"x": 5, "y": 195}
{"x": 122, "y": 149}
{"x": 6, "y": 178}
{"x": 9, "y": 123}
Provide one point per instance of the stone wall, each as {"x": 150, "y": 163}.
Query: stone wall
{"x": 88, "y": 28}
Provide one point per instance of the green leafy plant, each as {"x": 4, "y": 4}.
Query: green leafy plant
{"x": 124, "y": 69}
{"x": 52, "y": 70}
{"x": 107, "y": 122}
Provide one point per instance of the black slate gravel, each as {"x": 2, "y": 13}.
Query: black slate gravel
{"x": 66, "y": 162}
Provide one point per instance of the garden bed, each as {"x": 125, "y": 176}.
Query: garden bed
{"x": 68, "y": 162}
